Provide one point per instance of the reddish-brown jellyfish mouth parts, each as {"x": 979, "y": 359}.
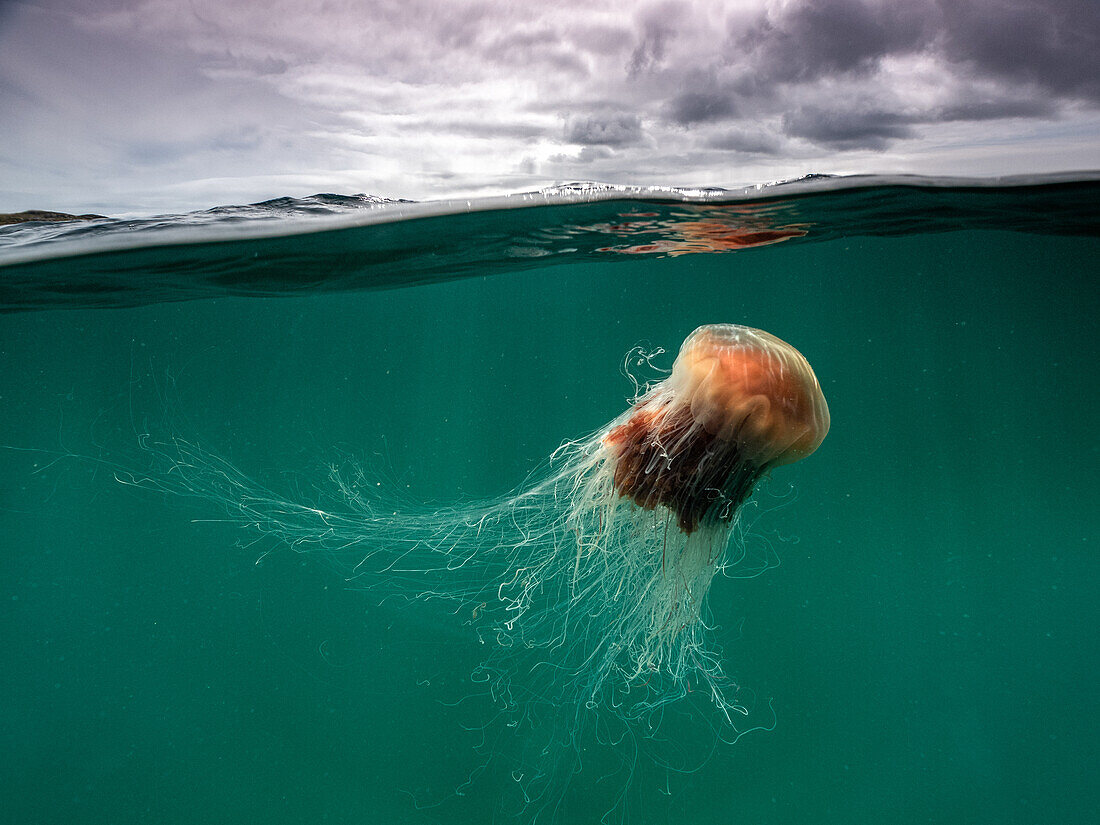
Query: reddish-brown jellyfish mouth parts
{"x": 738, "y": 401}
{"x": 663, "y": 458}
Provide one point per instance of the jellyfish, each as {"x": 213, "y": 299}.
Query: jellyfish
{"x": 589, "y": 584}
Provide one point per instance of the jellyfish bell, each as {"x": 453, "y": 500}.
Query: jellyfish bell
{"x": 749, "y": 387}
{"x": 738, "y": 401}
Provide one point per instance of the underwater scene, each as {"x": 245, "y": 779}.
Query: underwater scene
{"x": 596, "y": 504}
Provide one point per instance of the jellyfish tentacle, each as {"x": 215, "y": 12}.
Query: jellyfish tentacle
{"x": 591, "y": 582}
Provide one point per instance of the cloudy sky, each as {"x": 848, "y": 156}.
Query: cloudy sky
{"x": 139, "y": 106}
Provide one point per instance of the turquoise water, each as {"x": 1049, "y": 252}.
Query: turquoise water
{"x": 927, "y": 644}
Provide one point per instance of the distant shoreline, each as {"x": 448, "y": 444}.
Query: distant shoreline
{"x": 7, "y": 218}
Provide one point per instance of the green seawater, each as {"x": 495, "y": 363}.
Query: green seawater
{"x": 928, "y": 643}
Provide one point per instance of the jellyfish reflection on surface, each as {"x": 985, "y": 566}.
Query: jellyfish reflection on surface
{"x": 589, "y": 584}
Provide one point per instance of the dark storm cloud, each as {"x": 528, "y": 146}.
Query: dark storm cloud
{"x": 845, "y": 127}
{"x": 747, "y": 141}
{"x": 614, "y": 130}
{"x": 837, "y": 73}
{"x": 987, "y": 109}
{"x": 839, "y": 129}
{"x": 807, "y": 41}
{"x": 698, "y": 107}
{"x": 590, "y": 154}
{"x": 1054, "y": 44}
{"x": 657, "y": 26}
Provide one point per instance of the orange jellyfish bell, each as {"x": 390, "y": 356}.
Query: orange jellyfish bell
{"x": 738, "y": 401}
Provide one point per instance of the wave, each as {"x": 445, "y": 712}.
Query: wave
{"x": 326, "y": 242}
